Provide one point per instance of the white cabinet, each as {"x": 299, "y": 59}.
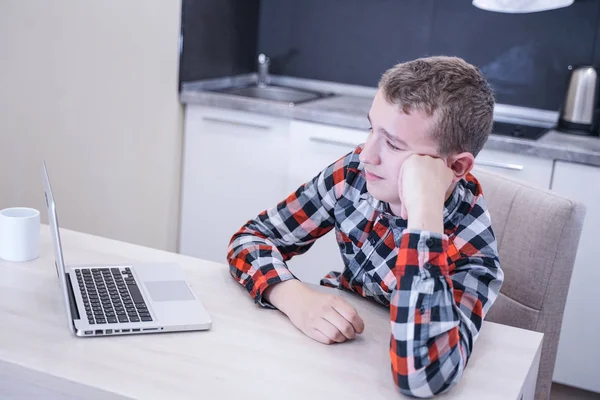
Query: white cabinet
{"x": 578, "y": 357}
{"x": 532, "y": 170}
{"x": 234, "y": 167}
{"x": 315, "y": 147}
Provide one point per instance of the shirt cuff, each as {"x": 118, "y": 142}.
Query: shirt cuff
{"x": 263, "y": 285}
{"x": 423, "y": 253}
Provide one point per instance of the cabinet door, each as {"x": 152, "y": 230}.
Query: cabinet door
{"x": 578, "y": 357}
{"x": 234, "y": 168}
{"x": 315, "y": 146}
{"x": 533, "y": 170}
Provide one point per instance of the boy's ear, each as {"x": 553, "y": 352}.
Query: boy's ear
{"x": 461, "y": 164}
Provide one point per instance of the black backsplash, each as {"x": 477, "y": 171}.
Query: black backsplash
{"x": 350, "y": 41}
{"x": 219, "y": 38}
{"x": 524, "y": 56}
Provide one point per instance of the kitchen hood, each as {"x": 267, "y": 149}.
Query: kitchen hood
{"x": 521, "y": 6}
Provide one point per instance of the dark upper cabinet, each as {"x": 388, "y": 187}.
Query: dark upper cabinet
{"x": 524, "y": 56}
{"x": 219, "y": 38}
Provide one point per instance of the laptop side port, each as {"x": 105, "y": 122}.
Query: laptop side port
{"x": 98, "y": 331}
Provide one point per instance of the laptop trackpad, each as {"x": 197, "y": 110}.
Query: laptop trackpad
{"x": 169, "y": 290}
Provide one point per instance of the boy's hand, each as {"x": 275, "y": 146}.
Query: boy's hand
{"x": 423, "y": 182}
{"x": 323, "y": 317}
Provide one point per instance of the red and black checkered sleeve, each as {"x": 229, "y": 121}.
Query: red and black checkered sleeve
{"x": 445, "y": 286}
{"x": 258, "y": 252}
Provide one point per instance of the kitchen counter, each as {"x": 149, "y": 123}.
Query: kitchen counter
{"x": 350, "y": 105}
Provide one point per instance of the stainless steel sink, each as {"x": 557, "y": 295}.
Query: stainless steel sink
{"x": 275, "y": 93}
{"x": 262, "y": 89}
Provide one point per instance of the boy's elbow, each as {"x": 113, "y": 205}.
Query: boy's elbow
{"x": 422, "y": 392}
{"x": 427, "y": 382}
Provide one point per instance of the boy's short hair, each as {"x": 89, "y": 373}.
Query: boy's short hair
{"x": 452, "y": 91}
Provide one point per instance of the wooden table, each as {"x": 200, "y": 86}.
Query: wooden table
{"x": 250, "y": 353}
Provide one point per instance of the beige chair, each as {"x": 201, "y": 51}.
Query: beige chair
{"x": 538, "y": 234}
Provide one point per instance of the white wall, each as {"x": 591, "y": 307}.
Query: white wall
{"x": 91, "y": 86}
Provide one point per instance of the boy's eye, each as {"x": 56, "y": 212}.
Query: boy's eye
{"x": 391, "y": 146}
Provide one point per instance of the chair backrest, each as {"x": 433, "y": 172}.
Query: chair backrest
{"x": 537, "y": 233}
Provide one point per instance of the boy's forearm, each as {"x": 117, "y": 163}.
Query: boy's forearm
{"x": 427, "y": 218}
{"x": 422, "y": 292}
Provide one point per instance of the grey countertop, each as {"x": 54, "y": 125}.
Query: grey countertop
{"x": 350, "y": 105}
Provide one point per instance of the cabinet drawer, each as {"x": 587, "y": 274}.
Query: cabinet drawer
{"x": 315, "y": 146}
{"x": 198, "y": 118}
{"x": 532, "y": 170}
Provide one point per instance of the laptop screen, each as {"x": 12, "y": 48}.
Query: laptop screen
{"x": 58, "y": 256}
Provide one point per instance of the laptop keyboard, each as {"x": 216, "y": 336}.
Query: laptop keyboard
{"x": 111, "y": 295}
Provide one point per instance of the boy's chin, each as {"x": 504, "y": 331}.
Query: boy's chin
{"x": 382, "y": 195}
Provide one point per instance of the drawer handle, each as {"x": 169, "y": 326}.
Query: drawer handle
{"x": 512, "y": 167}
{"x": 333, "y": 142}
{"x": 237, "y": 123}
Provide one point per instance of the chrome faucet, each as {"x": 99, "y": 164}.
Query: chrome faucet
{"x": 263, "y": 70}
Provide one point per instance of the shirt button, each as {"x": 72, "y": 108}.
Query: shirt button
{"x": 373, "y": 241}
{"x": 427, "y": 266}
{"x": 429, "y": 242}
{"x": 422, "y": 310}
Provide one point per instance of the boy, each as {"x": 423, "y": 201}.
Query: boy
{"x": 413, "y": 228}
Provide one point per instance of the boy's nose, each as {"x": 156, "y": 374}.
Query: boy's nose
{"x": 369, "y": 153}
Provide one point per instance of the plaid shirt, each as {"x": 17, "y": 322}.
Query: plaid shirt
{"x": 438, "y": 287}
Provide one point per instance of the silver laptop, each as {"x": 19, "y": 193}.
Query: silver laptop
{"x": 106, "y": 300}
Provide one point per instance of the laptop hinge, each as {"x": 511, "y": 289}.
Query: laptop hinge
{"x": 72, "y": 302}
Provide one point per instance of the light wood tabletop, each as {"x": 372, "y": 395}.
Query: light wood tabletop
{"x": 250, "y": 353}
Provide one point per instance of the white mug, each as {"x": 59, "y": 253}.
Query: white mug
{"x": 19, "y": 234}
